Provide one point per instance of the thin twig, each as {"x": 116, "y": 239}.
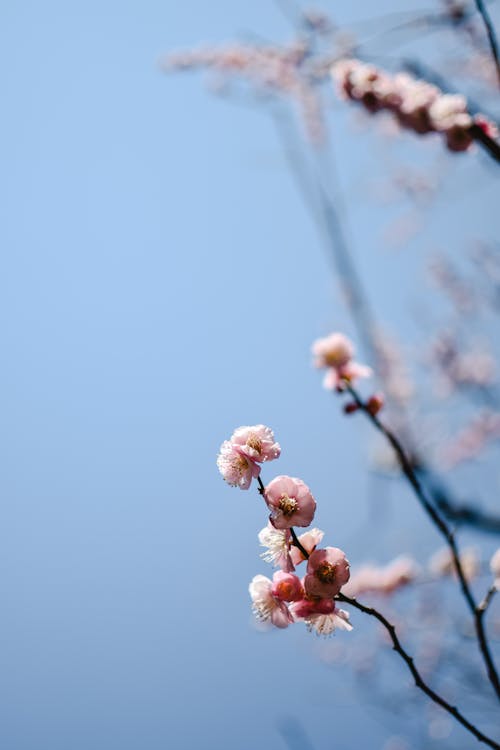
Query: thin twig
{"x": 483, "y": 606}
{"x": 490, "y": 30}
{"x": 419, "y": 682}
{"x": 443, "y": 529}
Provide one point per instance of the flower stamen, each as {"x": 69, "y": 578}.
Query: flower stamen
{"x": 288, "y": 505}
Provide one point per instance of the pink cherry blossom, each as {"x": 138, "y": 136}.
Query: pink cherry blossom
{"x": 278, "y": 550}
{"x": 416, "y": 104}
{"x": 335, "y": 350}
{"x": 309, "y": 540}
{"x": 290, "y": 502}
{"x": 327, "y": 572}
{"x": 257, "y": 443}
{"x": 266, "y": 607}
{"x": 237, "y": 469}
{"x": 287, "y": 587}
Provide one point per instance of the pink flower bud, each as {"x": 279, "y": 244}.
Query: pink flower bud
{"x": 287, "y": 587}
{"x": 375, "y": 403}
{"x": 350, "y": 407}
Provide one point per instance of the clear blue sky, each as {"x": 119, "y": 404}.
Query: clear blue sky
{"x": 160, "y": 284}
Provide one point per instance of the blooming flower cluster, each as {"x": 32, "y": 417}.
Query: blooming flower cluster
{"x": 335, "y": 353}
{"x": 286, "y": 598}
{"x": 416, "y": 104}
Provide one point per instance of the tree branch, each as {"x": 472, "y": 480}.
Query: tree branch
{"x": 446, "y": 533}
{"x": 419, "y": 682}
{"x": 490, "y": 31}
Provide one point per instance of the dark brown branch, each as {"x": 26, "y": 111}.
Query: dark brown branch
{"x": 446, "y": 533}
{"x": 419, "y": 682}
{"x": 490, "y": 31}
{"x": 296, "y": 543}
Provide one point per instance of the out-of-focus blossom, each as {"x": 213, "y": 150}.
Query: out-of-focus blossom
{"x": 309, "y": 540}
{"x": 417, "y": 105}
{"x": 237, "y": 469}
{"x": 442, "y": 564}
{"x": 495, "y": 568}
{"x": 335, "y": 352}
{"x": 470, "y": 441}
{"x": 448, "y": 110}
{"x": 266, "y": 607}
{"x": 290, "y": 502}
{"x": 382, "y": 580}
{"x": 287, "y": 587}
{"x": 327, "y": 572}
{"x": 278, "y": 550}
{"x": 287, "y": 70}
{"x": 461, "y": 368}
{"x": 257, "y": 443}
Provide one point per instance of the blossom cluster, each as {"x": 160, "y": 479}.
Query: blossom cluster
{"x": 416, "y": 104}
{"x": 286, "y": 598}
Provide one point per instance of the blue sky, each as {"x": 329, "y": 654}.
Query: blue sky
{"x": 161, "y": 284}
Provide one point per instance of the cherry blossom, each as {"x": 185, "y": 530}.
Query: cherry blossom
{"x": 415, "y": 104}
{"x": 335, "y": 352}
{"x": 290, "y": 501}
{"x": 237, "y": 469}
{"x": 257, "y": 443}
{"x": 287, "y": 587}
{"x": 266, "y": 607}
{"x": 327, "y": 572}
{"x": 278, "y": 550}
